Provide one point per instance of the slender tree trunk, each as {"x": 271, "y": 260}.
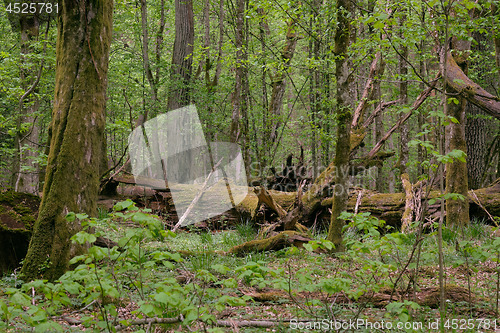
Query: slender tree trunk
{"x": 78, "y": 119}
{"x": 345, "y": 93}
{"x": 263, "y": 145}
{"x": 25, "y": 167}
{"x": 379, "y": 132}
{"x": 182, "y": 57}
{"x": 235, "y": 131}
{"x": 145, "y": 51}
{"x": 457, "y": 211}
{"x": 403, "y": 95}
{"x": 279, "y": 78}
{"x": 496, "y": 33}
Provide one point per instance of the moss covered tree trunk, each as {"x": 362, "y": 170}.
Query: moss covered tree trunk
{"x": 457, "y": 211}
{"x": 78, "y": 119}
{"x": 345, "y": 95}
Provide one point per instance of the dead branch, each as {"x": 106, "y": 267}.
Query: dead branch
{"x": 266, "y": 198}
{"x": 198, "y": 196}
{"x": 381, "y": 107}
{"x": 420, "y": 99}
{"x": 367, "y": 91}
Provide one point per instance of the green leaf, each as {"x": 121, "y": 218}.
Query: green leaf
{"x": 70, "y": 217}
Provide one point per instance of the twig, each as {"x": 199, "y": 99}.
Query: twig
{"x": 480, "y": 205}
{"x": 358, "y": 201}
{"x": 225, "y": 323}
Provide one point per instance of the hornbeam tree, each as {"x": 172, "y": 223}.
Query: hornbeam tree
{"x": 78, "y": 119}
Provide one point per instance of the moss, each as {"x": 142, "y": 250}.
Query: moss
{"x": 22, "y": 210}
{"x": 248, "y": 205}
{"x": 277, "y": 242}
{"x": 78, "y": 123}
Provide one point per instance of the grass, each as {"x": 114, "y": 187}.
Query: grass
{"x": 313, "y": 278}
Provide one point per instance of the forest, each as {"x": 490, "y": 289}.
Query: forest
{"x": 249, "y": 165}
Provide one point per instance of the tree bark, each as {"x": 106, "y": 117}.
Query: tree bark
{"x": 403, "y": 96}
{"x": 182, "y": 57}
{"x": 457, "y": 211}
{"x": 345, "y": 93}
{"x": 78, "y": 119}
{"x": 477, "y": 128}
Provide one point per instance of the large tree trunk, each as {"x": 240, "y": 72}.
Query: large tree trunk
{"x": 182, "y": 57}
{"x": 477, "y": 128}
{"x": 345, "y": 93}
{"x": 78, "y": 119}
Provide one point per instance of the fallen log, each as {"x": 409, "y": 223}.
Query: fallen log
{"x": 387, "y": 206}
{"x": 277, "y": 242}
{"x": 390, "y": 206}
{"x": 316, "y": 201}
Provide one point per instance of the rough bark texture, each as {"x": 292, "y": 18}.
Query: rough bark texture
{"x": 345, "y": 9}
{"x": 72, "y": 178}
{"x": 477, "y": 128}
{"x": 182, "y": 57}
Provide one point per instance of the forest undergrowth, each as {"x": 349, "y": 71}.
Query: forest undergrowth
{"x": 158, "y": 281}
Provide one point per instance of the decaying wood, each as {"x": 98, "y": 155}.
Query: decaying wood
{"x": 375, "y": 69}
{"x": 418, "y": 101}
{"x": 197, "y": 198}
{"x": 277, "y": 242}
{"x": 407, "y": 217}
{"x": 266, "y": 198}
{"x": 390, "y": 206}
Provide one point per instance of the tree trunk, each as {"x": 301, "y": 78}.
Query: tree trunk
{"x": 345, "y": 93}
{"x": 78, "y": 119}
{"x": 235, "y": 131}
{"x": 457, "y": 211}
{"x": 403, "y": 96}
{"x": 24, "y": 166}
{"x": 477, "y": 128}
{"x": 182, "y": 57}
{"x": 279, "y": 78}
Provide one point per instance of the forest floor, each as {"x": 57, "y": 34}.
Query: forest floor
{"x": 281, "y": 291}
